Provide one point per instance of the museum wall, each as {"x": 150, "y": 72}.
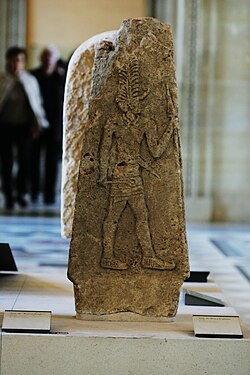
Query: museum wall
{"x": 213, "y": 73}
{"x": 12, "y": 26}
{"x": 67, "y": 24}
{"x": 231, "y": 185}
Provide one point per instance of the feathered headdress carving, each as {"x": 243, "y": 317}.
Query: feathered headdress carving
{"x": 130, "y": 91}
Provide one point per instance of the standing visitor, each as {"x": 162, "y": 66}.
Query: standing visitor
{"x": 21, "y": 118}
{"x": 51, "y": 81}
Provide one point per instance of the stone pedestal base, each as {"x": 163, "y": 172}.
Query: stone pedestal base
{"x": 123, "y": 317}
{"x": 137, "y": 354}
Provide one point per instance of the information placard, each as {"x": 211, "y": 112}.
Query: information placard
{"x": 26, "y": 321}
{"x": 217, "y": 326}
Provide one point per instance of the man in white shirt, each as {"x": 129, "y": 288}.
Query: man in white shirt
{"x": 21, "y": 117}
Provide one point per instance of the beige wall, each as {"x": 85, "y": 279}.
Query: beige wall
{"x": 68, "y": 23}
{"x": 213, "y": 72}
{"x": 232, "y": 113}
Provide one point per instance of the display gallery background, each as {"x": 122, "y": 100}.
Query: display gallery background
{"x": 213, "y": 72}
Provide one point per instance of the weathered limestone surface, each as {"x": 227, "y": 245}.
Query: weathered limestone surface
{"x": 75, "y": 119}
{"x": 128, "y": 250}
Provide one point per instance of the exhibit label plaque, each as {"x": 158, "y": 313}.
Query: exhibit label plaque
{"x": 217, "y": 326}
{"x": 26, "y": 321}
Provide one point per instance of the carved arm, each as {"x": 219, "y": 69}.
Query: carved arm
{"x": 105, "y": 148}
{"x": 155, "y": 145}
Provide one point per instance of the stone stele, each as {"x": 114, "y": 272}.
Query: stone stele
{"x": 122, "y": 175}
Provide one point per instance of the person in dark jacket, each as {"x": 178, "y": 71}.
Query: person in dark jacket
{"x": 51, "y": 81}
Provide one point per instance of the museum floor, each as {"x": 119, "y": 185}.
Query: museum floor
{"x": 222, "y": 249}
{"x": 105, "y": 347}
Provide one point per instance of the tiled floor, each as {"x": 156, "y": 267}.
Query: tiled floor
{"x": 229, "y": 268}
{"x": 105, "y": 347}
{"x": 224, "y": 250}
{"x": 36, "y": 243}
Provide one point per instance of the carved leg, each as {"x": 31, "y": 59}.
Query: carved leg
{"x": 139, "y": 208}
{"x": 149, "y": 258}
{"x": 108, "y": 259}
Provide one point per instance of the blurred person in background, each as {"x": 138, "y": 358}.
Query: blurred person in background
{"x": 51, "y": 79}
{"x": 21, "y": 118}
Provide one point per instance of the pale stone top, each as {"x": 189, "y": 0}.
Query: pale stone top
{"x": 75, "y": 119}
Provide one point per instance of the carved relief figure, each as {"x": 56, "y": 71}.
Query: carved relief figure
{"x": 121, "y": 164}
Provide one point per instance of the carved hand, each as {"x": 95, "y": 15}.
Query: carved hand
{"x": 103, "y": 181}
